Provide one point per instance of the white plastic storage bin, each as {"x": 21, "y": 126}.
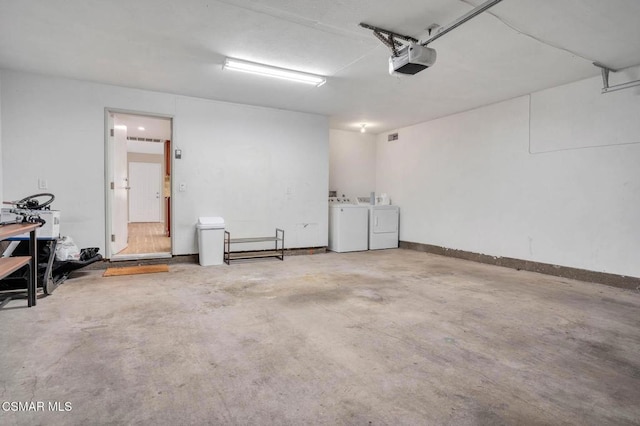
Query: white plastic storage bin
{"x": 211, "y": 240}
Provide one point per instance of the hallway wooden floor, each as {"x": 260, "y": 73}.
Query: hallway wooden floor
{"x": 147, "y": 237}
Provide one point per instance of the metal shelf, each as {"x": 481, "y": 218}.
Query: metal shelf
{"x": 278, "y": 253}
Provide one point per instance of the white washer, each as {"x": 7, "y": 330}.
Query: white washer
{"x": 348, "y": 225}
{"x": 383, "y": 226}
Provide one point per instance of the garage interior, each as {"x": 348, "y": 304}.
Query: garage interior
{"x": 512, "y": 296}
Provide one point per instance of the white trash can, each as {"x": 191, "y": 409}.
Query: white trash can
{"x": 210, "y": 240}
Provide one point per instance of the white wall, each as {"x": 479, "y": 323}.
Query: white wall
{"x": 156, "y": 148}
{"x": 505, "y": 180}
{"x": 258, "y": 167}
{"x": 352, "y": 163}
{"x": 1, "y": 166}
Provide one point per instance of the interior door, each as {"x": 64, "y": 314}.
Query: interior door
{"x": 119, "y": 221}
{"x": 145, "y": 195}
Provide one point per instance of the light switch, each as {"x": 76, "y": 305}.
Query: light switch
{"x": 42, "y": 184}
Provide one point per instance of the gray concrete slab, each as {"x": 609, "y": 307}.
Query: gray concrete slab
{"x": 386, "y": 337}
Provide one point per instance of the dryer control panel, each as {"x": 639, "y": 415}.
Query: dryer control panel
{"x": 382, "y": 200}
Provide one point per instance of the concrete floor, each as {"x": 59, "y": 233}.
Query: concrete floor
{"x": 388, "y": 337}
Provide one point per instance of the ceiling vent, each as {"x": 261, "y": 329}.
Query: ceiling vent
{"x": 133, "y": 138}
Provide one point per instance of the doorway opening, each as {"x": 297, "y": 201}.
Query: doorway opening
{"x": 138, "y": 165}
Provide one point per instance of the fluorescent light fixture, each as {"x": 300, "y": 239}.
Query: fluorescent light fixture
{"x": 120, "y": 127}
{"x": 269, "y": 71}
{"x": 141, "y": 128}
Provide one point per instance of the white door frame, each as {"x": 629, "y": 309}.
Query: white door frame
{"x": 108, "y": 178}
{"x": 119, "y": 193}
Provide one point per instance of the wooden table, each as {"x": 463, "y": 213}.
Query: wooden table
{"x": 9, "y": 265}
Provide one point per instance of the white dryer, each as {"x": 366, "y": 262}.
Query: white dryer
{"x": 384, "y": 222}
{"x": 348, "y": 225}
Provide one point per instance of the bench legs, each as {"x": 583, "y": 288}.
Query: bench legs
{"x": 281, "y": 238}
{"x": 31, "y": 291}
{"x": 33, "y": 269}
{"x": 227, "y": 248}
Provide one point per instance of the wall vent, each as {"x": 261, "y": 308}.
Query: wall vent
{"x": 392, "y": 137}
{"x": 133, "y": 138}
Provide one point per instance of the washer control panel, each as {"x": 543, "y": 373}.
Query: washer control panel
{"x": 340, "y": 200}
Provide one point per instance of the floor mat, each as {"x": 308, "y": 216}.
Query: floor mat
{"x": 134, "y": 270}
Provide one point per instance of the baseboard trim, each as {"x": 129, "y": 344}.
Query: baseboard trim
{"x": 620, "y": 281}
{"x": 175, "y": 259}
{"x": 304, "y": 251}
{"x": 188, "y": 258}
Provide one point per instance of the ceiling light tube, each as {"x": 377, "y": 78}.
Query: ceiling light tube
{"x": 269, "y": 71}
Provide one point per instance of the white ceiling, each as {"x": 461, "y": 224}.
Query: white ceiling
{"x": 519, "y": 46}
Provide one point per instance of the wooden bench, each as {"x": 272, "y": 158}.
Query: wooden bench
{"x": 8, "y": 265}
{"x": 278, "y": 253}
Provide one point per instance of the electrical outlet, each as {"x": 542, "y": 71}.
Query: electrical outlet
{"x": 182, "y": 187}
